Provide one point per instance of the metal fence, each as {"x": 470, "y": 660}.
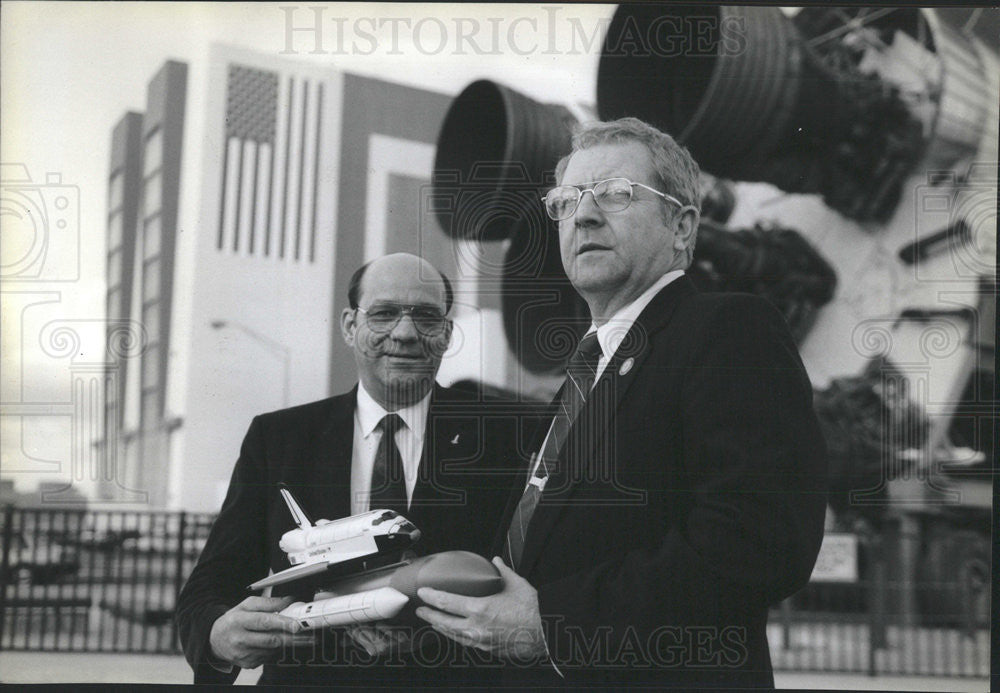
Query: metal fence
{"x": 95, "y": 581}
{"x": 107, "y": 581}
{"x": 877, "y": 641}
{"x": 890, "y": 621}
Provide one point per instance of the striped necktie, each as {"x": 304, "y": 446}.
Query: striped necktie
{"x": 580, "y": 375}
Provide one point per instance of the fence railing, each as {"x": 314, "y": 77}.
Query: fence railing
{"x": 878, "y": 641}
{"x": 95, "y": 581}
{"x": 889, "y": 622}
{"x": 107, "y": 581}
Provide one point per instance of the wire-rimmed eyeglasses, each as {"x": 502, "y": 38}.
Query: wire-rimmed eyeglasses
{"x": 611, "y": 195}
{"x": 384, "y": 317}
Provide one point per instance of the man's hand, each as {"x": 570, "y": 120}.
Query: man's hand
{"x": 378, "y": 638}
{"x": 251, "y": 633}
{"x": 507, "y": 624}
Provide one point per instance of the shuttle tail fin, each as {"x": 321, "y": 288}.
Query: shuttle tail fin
{"x": 298, "y": 514}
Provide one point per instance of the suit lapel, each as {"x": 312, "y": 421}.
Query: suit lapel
{"x": 335, "y": 448}
{"x": 517, "y": 490}
{"x": 601, "y": 408}
{"x": 626, "y": 363}
{"x": 443, "y": 438}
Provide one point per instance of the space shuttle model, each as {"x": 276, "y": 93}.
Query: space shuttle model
{"x": 369, "y": 594}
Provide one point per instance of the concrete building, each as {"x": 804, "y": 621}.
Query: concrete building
{"x": 143, "y": 194}
{"x": 264, "y": 184}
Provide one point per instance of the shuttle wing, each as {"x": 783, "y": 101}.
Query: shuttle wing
{"x": 347, "y": 550}
{"x": 289, "y": 574}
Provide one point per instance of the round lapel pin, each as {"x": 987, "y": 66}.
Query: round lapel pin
{"x": 626, "y": 366}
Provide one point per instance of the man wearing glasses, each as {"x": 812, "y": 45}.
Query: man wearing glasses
{"x": 397, "y": 441}
{"x": 678, "y": 490}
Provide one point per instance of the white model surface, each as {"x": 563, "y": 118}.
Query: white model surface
{"x": 313, "y": 548}
{"x": 373, "y": 605}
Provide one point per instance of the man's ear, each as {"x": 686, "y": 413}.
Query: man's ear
{"x": 348, "y": 324}
{"x": 442, "y": 342}
{"x": 687, "y": 226}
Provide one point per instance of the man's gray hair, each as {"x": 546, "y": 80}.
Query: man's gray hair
{"x": 677, "y": 171}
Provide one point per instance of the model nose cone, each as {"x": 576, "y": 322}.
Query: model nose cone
{"x": 384, "y": 602}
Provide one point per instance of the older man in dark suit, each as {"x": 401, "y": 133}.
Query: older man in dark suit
{"x": 678, "y": 488}
{"x": 397, "y": 440}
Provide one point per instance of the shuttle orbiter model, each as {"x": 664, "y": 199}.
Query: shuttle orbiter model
{"x": 377, "y": 593}
{"x": 315, "y": 548}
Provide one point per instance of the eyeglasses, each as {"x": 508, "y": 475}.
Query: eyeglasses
{"x": 384, "y": 317}
{"x": 611, "y": 195}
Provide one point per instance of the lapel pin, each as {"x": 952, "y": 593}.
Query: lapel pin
{"x": 454, "y": 441}
{"x": 626, "y": 366}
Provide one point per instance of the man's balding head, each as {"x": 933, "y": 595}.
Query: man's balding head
{"x": 396, "y": 327}
{"x": 429, "y": 270}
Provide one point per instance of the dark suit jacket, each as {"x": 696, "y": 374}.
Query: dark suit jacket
{"x": 688, "y": 498}
{"x": 456, "y": 503}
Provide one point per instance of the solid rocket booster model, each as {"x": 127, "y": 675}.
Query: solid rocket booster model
{"x": 373, "y": 605}
{"x": 378, "y": 593}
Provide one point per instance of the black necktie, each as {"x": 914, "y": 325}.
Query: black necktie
{"x": 580, "y": 375}
{"x": 388, "y": 489}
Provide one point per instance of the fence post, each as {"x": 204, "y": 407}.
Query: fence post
{"x": 876, "y": 611}
{"x": 8, "y": 535}
{"x": 178, "y": 575}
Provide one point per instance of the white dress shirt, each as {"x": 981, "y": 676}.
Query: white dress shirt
{"x": 610, "y": 336}
{"x": 409, "y": 440}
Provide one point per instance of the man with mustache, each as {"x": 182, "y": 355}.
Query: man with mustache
{"x": 677, "y": 490}
{"x": 330, "y": 455}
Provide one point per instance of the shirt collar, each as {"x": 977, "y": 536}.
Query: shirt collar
{"x": 370, "y": 412}
{"x": 611, "y": 334}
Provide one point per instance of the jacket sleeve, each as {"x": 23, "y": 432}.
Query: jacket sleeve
{"x": 754, "y": 491}
{"x": 234, "y": 556}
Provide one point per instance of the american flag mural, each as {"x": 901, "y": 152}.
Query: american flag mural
{"x": 270, "y": 167}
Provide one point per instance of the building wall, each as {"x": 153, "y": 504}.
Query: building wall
{"x": 144, "y": 189}
{"x": 163, "y": 135}
{"x": 241, "y": 252}
{"x": 305, "y": 173}
{"x": 260, "y": 265}
{"x": 124, "y": 186}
